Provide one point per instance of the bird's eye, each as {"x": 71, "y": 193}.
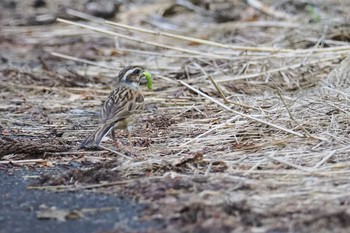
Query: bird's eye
{"x": 137, "y": 71}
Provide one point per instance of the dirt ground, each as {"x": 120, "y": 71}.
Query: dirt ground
{"x": 245, "y": 130}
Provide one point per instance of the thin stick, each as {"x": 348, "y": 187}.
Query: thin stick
{"x": 207, "y": 171}
{"x": 220, "y": 45}
{"x": 325, "y": 159}
{"x": 81, "y": 60}
{"x": 288, "y": 163}
{"x": 273, "y": 172}
{"x": 243, "y": 105}
{"x": 295, "y": 172}
{"x": 253, "y": 168}
{"x": 75, "y": 152}
{"x": 139, "y": 40}
{"x": 73, "y": 188}
{"x": 242, "y": 114}
{"x": 24, "y": 161}
{"x": 174, "y": 36}
{"x": 290, "y": 114}
{"x": 197, "y": 40}
{"x": 218, "y": 89}
{"x": 115, "y": 152}
{"x": 201, "y": 41}
{"x": 212, "y": 43}
{"x": 104, "y": 66}
{"x": 77, "y": 89}
{"x": 210, "y": 130}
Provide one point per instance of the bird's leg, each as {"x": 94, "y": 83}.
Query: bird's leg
{"x": 129, "y": 136}
{"x": 113, "y": 134}
{"x": 114, "y": 138}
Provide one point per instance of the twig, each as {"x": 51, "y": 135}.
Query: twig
{"x": 218, "y": 89}
{"x": 325, "y": 159}
{"x": 210, "y": 130}
{"x": 74, "y": 153}
{"x": 115, "y": 34}
{"x": 24, "y": 161}
{"x": 82, "y": 60}
{"x": 274, "y": 172}
{"x": 212, "y": 43}
{"x": 253, "y": 168}
{"x": 288, "y": 163}
{"x": 76, "y": 188}
{"x": 37, "y": 87}
{"x": 207, "y": 171}
{"x": 175, "y": 36}
{"x": 115, "y": 152}
{"x": 293, "y": 119}
{"x": 295, "y": 172}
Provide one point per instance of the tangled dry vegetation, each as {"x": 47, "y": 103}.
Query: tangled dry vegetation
{"x": 245, "y": 134}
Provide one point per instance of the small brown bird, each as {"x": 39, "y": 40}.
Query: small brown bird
{"x": 123, "y": 105}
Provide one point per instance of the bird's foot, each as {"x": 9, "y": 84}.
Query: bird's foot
{"x": 118, "y": 144}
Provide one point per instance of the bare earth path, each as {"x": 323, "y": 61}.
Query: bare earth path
{"x": 20, "y": 207}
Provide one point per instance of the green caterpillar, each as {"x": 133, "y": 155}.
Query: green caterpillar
{"x": 149, "y": 79}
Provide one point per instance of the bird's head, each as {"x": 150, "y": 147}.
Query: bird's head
{"x": 131, "y": 75}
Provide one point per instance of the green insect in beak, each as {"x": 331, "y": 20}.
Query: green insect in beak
{"x": 149, "y": 79}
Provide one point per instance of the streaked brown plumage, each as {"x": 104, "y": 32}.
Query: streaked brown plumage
{"x": 121, "y": 107}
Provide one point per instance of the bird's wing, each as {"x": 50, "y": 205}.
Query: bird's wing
{"x": 121, "y": 104}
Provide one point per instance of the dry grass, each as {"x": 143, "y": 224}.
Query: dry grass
{"x": 276, "y": 120}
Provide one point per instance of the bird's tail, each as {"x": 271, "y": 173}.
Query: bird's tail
{"x": 95, "y": 138}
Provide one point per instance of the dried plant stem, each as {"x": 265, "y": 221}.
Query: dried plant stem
{"x": 115, "y": 152}
{"x": 105, "y": 31}
{"x": 65, "y": 188}
{"x": 24, "y": 161}
{"x": 210, "y": 130}
{"x": 323, "y": 160}
{"x": 72, "y": 89}
{"x": 218, "y": 89}
{"x": 175, "y": 36}
{"x": 212, "y": 43}
{"x": 293, "y": 119}
{"x": 81, "y": 60}
{"x": 253, "y": 168}
{"x": 280, "y": 160}
{"x": 221, "y": 45}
